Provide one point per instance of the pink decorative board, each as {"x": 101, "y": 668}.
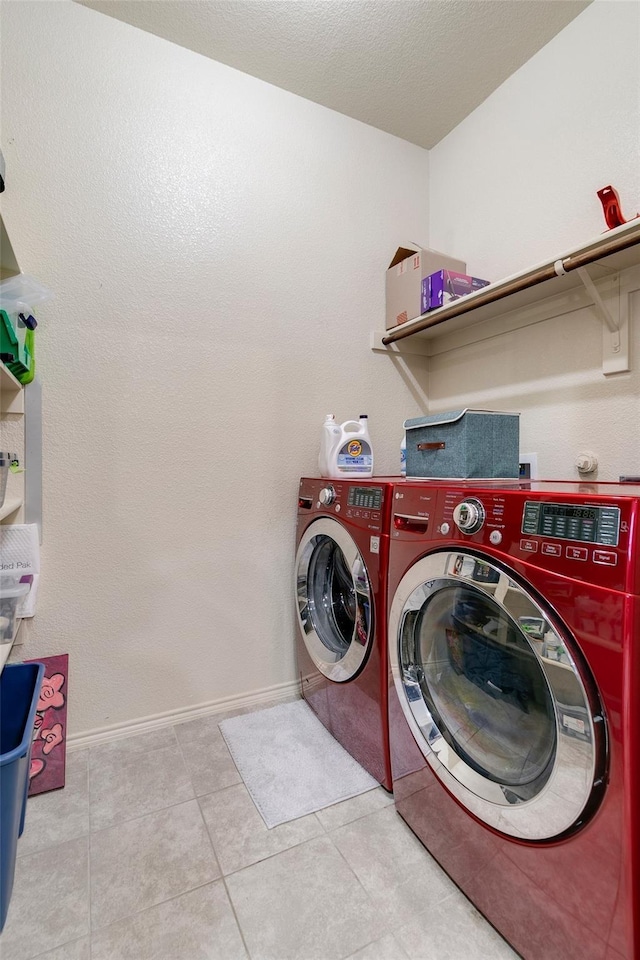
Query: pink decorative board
{"x": 49, "y": 747}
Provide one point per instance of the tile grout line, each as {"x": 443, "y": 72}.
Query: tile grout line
{"x": 61, "y": 843}
{"x": 152, "y": 906}
{"x": 132, "y": 820}
{"x": 175, "y": 896}
{"x": 213, "y": 848}
{"x": 388, "y": 929}
{"x": 215, "y": 854}
{"x": 67, "y": 943}
{"x": 139, "y": 816}
{"x": 142, "y": 816}
{"x": 324, "y": 831}
{"x": 222, "y": 874}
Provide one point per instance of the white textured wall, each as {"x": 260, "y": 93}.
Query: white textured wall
{"x": 217, "y": 248}
{"x": 515, "y": 184}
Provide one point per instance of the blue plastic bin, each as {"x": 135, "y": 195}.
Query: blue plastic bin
{"x": 19, "y": 691}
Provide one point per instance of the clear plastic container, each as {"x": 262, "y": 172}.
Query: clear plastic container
{"x": 11, "y": 593}
{"x": 5, "y": 463}
{"x": 21, "y": 293}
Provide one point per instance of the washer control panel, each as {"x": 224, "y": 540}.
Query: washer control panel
{"x": 571, "y": 521}
{"x": 588, "y": 532}
{"x": 469, "y": 515}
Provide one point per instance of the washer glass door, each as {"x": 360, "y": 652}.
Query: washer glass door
{"x": 492, "y": 695}
{"x": 334, "y": 600}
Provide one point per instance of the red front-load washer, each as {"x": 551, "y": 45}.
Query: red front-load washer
{"x": 342, "y": 549}
{"x": 514, "y": 712}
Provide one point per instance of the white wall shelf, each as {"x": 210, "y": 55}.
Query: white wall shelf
{"x": 11, "y": 392}
{"x": 10, "y": 506}
{"x": 587, "y": 275}
{"x": 5, "y": 650}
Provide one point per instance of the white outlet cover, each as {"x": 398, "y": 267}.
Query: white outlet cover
{"x": 532, "y": 460}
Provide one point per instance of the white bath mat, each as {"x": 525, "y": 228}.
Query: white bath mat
{"x": 290, "y": 764}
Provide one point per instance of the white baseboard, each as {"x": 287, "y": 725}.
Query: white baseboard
{"x": 118, "y": 731}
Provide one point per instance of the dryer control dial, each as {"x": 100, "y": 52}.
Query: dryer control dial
{"x": 327, "y": 495}
{"x": 469, "y": 515}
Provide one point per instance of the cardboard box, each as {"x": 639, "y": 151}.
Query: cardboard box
{"x": 407, "y": 270}
{"x": 464, "y": 444}
{"x": 445, "y": 286}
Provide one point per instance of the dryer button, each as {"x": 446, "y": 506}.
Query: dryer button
{"x": 605, "y": 556}
{"x": 495, "y": 537}
{"x": 444, "y": 529}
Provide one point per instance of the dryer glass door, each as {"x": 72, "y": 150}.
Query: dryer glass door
{"x": 334, "y": 600}
{"x": 492, "y": 695}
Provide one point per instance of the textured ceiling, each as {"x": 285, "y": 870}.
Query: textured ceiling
{"x": 414, "y": 68}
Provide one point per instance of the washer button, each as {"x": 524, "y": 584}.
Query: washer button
{"x": 576, "y": 553}
{"x": 552, "y": 549}
{"x": 495, "y": 537}
{"x": 444, "y": 528}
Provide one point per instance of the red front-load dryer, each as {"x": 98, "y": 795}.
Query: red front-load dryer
{"x": 342, "y": 549}
{"x": 514, "y": 712}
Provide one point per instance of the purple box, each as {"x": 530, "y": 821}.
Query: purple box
{"x": 444, "y": 286}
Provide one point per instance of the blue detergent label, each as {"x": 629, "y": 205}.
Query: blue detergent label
{"x": 355, "y": 457}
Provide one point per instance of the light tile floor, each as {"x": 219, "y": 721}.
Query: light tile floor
{"x": 155, "y": 851}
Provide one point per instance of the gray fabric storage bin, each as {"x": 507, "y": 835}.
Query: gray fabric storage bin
{"x": 464, "y": 444}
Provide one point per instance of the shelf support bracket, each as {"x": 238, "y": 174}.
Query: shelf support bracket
{"x": 615, "y": 331}
{"x": 601, "y": 308}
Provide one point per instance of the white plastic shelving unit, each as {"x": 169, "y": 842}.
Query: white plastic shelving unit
{"x": 12, "y": 410}
{"x": 11, "y": 392}
{"x": 10, "y": 506}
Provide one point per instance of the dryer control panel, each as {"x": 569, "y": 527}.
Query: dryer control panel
{"x": 357, "y": 504}
{"x": 366, "y": 497}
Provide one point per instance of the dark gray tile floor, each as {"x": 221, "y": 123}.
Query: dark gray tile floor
{"x": 154, "y": 851}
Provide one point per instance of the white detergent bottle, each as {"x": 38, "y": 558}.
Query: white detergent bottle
{"x": 329, "y": 438}
{"x": 403, "y": 455}
{"x": 352, "y": 454}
